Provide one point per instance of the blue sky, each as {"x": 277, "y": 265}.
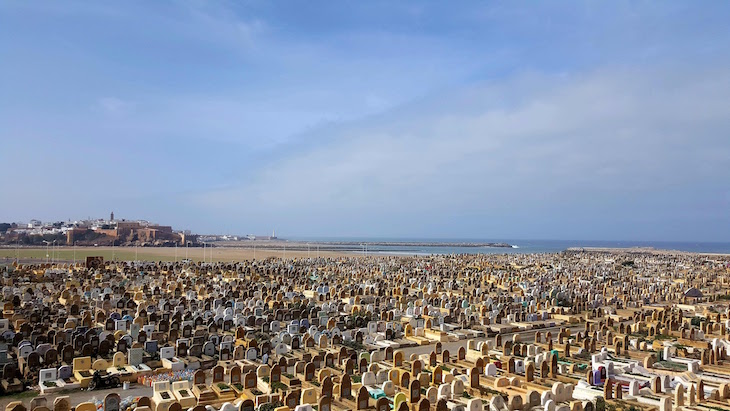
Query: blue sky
{"x": 553, "y": 120}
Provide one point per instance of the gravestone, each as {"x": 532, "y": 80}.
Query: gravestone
{"x": 346, "y": 387}
{"x": 199, "y": 377}
{"x": 246, "y": 405}
{"x": 363, "y": 399}
{"x": 327, "y": 387}
{"x": 249, "y": 380}
{"x": 415, "y": 391}
{"x": 325, "y": 403}
{"x": 61, "y": 404}
{"x": 112, "y": 402}
{"x": 218, "y": 374}
{"x": 68, "y": 354}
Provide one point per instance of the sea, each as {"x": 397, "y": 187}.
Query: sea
{"x": 439, "y": 246}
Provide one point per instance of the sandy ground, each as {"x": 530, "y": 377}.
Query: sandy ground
{"x": 65, "y": 254}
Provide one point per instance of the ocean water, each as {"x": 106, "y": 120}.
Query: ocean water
{"x": 521, "y": 246}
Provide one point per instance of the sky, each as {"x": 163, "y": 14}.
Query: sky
{"x": 485, "y": 120}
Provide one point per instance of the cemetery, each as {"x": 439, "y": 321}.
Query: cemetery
{"x": 575, "y": 331}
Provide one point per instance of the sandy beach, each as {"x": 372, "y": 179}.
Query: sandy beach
{"x": 215, "y": 254}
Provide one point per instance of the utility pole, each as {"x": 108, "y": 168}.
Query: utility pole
{"x": 74, "y": 252}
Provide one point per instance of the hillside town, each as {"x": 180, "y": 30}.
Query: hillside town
{"x": 87, "y": 232}
{"x": 573, "y": 331}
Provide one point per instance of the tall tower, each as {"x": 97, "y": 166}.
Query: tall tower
{"x": 112, "y": 216}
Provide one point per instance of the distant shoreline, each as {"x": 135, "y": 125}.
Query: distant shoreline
{"x": 356, "y": 246}
{"x": 409, "y": 244}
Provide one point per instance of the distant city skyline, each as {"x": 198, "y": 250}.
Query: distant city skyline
{"x": 573, "y": 120}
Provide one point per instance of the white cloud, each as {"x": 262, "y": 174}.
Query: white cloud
{"x": 546, "y": 141}
{"x": 220, "y": 24}
{"x": 114, "y": 105}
